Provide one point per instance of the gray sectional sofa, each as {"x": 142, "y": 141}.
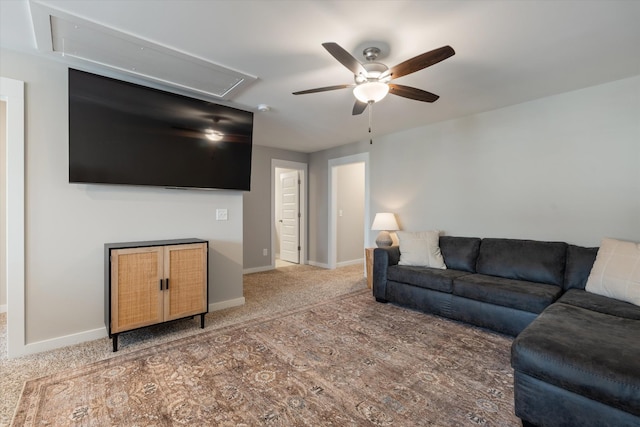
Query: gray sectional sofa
{"x": 576, "y": 355}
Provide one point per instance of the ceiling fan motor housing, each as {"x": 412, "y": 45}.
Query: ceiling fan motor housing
{"x": 375, "y": 70}
{"x": 372, "y": 86}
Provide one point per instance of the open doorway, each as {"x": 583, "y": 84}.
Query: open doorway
{"x": 289, "y": 213}
{"x": 348, "y": 209}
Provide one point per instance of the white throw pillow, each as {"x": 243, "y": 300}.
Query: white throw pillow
{"x": 420, "y": 249}
{"x": 616, "y": 271}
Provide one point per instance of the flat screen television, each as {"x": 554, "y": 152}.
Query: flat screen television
{"x": 124, "y": 133}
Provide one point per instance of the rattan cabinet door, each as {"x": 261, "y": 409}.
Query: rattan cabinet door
{"x": 186, "y": 268}
{"x": 136, "y": 295}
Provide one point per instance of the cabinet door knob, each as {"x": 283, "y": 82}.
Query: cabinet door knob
{"x": 160, "y": 284}
{"x": 167, "y": 286}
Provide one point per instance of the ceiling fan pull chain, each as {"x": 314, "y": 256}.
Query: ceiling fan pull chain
{"x": 370, "y": 113}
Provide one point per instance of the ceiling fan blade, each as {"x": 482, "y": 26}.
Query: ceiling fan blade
{"x": 419, "y": 62}
{"x": 412, "y": 93}
{"x": 323, "y": 89}
{"x": 345, "y": 58}
{"x": 359, "y": 107}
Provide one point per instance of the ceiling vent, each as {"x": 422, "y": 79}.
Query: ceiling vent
{"x": 87, "y": 43}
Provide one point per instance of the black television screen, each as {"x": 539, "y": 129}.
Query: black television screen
{"x": 123, "y": 133}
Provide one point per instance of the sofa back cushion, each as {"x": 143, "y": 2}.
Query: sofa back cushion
{"x": 460, "y": 253}
{"x": 530, "y": 260}
{"x": 616, "y": 272}
{"x": 579, "y": 263}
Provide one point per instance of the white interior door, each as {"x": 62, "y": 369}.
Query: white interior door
{"x": 290, "y": 217}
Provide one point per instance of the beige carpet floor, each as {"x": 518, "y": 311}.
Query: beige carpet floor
{"x": 265, "y": 294}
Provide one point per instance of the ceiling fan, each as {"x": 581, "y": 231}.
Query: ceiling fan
{"x": 372, "y": 79}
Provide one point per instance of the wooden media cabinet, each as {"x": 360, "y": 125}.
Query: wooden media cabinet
{"x": 152, "y": 282}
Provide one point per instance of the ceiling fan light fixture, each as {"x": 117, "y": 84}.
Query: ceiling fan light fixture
{"x": 213, "y": 135}
{"x": 371, "y": 91}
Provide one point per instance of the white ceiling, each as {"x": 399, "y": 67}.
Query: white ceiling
{"x": 507, "y": 52}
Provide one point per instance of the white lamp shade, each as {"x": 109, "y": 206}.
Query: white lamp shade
{"x": 385, "y": 221}
{"x": 371, "y": 91}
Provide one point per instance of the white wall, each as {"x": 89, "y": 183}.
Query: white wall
{"x": 566, "y": 168}
{"x": 68, "y": 224}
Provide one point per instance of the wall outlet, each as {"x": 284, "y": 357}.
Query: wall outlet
{"x": 265, "y": 252}
{"x": 221, "y": 215}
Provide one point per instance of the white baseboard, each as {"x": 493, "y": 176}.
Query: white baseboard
{"x": 3, "y": 308}
{"x": 94, "y": 334}
{"x": 338, "y": 265}
{"x": 226, "y": 304}
{"x": 64, "y": 341}
{"x": 257, "y": 269}
{"x": 318, "y": 264}
{"x": 352, "y": 262}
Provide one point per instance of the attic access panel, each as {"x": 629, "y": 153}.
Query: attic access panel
{"x": 80, "y": 40}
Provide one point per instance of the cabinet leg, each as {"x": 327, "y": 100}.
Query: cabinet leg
{"x": 115, "y": 342}
{"x": 202, "y": 321}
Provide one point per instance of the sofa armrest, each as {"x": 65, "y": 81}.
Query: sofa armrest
{"x": 382, "y": 259}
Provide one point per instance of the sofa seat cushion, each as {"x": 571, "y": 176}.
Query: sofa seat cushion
{"x": 601, "y": 304}
{"x": 424, "y": 277}
{"x": 518, "y": 294}
{"x": 583, "y": 351}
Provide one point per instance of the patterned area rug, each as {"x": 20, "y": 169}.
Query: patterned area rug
{"x": 346, "y": 362}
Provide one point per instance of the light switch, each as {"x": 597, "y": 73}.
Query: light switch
{"x": 221, "y": 214}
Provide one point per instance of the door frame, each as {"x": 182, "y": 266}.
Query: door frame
{"x": 332, "y": 233}
{"x": 302, "y": 168}
{"x": 12, "y": 91}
